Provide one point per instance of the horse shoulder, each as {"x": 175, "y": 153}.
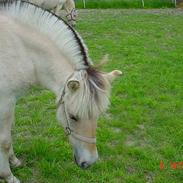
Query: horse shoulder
{"x": 16, "y": 70}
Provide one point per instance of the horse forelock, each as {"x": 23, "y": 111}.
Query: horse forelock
{"x": 92, "y": 98}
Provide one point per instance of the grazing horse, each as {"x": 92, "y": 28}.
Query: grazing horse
{"x": 57, "y": 5}
{"x": 38, "y": 48}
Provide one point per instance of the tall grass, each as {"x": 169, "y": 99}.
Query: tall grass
{"x": 95, "y": 4}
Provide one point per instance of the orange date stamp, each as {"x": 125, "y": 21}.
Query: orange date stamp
{"x": 172, "y": 165}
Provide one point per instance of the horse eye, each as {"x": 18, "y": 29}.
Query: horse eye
{"x": 75, "y": 118}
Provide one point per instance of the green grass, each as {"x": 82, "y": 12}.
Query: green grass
{"x": 144, "y": 122}
{"x": 94, "y": 4}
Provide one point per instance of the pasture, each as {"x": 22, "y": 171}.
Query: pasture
{"x": 124, "y": 4}
{"x": 143, "y": 124}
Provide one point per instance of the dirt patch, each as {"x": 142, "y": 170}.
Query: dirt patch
{"x": 116, "y": 130}
{"x": 130, "y": 170}
{"x": 138, "y": 138}
{"x": 149, "y": 177}
{"x": 113, "y": 143}
{"x": 107, "y": 116}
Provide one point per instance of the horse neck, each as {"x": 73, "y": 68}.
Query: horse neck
{"x": 53, "y": 70}
{"x": 54, "y": 73}
{"x": 51, "y": 67}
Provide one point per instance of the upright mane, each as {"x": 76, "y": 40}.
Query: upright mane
{"x": 66, "y": 38}
{"x": 93, "y": 96}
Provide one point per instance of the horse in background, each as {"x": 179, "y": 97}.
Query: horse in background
{"x": 57, "y": 5}
{"x": 39, "y": 48}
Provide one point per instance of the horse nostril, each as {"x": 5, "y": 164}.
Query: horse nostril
{"x": 84, "y": 165}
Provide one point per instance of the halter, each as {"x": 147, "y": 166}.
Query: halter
{"x": 70, "y": 16}
{"x": 68, "y": 130}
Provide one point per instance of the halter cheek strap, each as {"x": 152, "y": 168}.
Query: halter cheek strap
{"x": 68, "y": 130}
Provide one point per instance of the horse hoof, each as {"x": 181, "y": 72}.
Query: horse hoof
{"x": 15, "y": 162}
{"x": 12, "y": 179}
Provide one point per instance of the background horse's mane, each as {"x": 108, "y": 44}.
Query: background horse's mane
{"x": 66, "y": 38}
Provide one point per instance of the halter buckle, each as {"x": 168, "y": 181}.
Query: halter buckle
{"x": 68, "y": 131}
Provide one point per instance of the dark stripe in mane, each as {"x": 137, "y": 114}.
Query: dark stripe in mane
{"x": 95, "y": 76}
{"x": 78, "y": 40}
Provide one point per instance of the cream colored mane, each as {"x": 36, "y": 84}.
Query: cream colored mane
{"x": 67, "y": 39}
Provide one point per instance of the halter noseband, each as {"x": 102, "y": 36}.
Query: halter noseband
{"x": 68, "y": 130}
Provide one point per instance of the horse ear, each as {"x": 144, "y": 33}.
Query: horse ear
{"x": 113, "y": 75}
{"x": 73, "y": 85}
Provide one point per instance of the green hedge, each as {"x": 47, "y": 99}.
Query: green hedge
{"x": 93, "y": 4}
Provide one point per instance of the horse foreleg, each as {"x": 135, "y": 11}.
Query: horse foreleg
{"x": 6, "y": 120}
{"x": 14, "y": 161}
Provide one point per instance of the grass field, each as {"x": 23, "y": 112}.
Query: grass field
{"x": 143, "y": 125}
{"x": 124, "y": 4}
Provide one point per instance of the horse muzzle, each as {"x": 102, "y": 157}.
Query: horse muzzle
{"x": 84, "y": 164}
